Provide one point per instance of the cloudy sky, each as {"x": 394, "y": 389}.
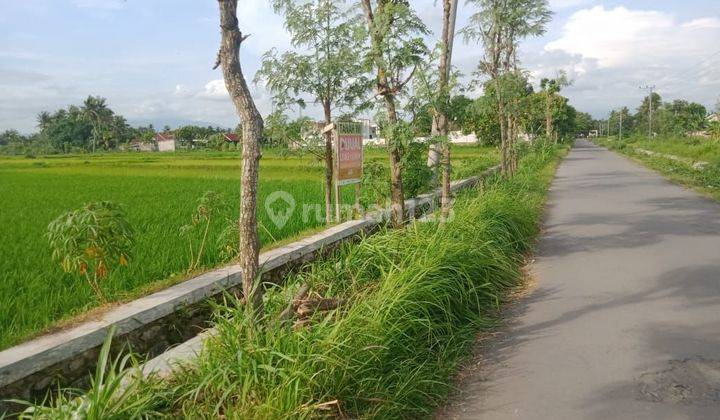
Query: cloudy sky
{"x": 152, "y": 59}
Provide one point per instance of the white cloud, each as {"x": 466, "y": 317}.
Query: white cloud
{"x": 611, "y": 52}
{"x": 621, "y": 36}
{"x": 182, "y": 91}
{"x": 703, "y": 23}
{"x": 215, "y": 89}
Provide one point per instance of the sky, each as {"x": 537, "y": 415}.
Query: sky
{"x": 153, "y": 59}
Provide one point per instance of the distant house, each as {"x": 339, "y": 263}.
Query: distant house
{"x": 231, "y": 138}
{"x": 713, "y": 118}
{"x": 369, "y": 132}
{"x": 457, "y": 137}
{"x": 199, "y": 143}
{"x": 138, "y": 145}
{"x": 165, "y": 142}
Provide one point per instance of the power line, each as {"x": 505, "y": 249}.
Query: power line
{"x": 696, "y": 65}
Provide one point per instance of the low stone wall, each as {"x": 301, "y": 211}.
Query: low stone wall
{"x": 153, "y": 324}
{"x": 699, "y": 166}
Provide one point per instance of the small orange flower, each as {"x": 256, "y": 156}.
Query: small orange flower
{"x": 123, "y": 260}
{"x": 101, "y": 270}
{"x": 83, "y": 268}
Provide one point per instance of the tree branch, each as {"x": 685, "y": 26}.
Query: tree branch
{"x": 218, "y": 60}
{"x": 402, "y": 85}
{"x": 301, "y": 294}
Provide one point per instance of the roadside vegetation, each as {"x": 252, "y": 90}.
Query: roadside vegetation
{"x": 698, "y": 167}
{"x": 159, "y": 194}
{"x": 678, "y": 138}
{"x": 409, "y": 303}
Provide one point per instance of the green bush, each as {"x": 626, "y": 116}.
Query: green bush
{"x": 417, "y": 176}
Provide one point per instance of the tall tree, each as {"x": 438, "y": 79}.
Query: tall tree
{"x": 96, "y": 111}
{"x": 500, "y": 25}
{"x": 396, "y": 49}
{"x": 328, "y": 39}
{"x": 551, "y": 88}
{"x": 683, "y": 117}
{"x": 44, "y": 120}
{"x": 440, "y": 126}
{"x": 584, "y": 122}
{"x": 644, "y": 116}
{"x": 229, "y": 59}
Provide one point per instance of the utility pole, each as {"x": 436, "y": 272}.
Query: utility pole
{"x": 651, "y": 89}
{"x": 620, "y": 127}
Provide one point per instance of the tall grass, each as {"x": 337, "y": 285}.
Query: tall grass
{"x": 112, "y": 393}
{"x": 415, "y": 299}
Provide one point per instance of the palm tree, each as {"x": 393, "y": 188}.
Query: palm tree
{"x": 95, "y": 110}
{"x": 44, "y": 119}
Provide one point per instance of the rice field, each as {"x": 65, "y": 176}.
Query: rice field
{"x": 159, "y": 193}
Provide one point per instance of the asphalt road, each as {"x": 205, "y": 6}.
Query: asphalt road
{"x": 624, "y": 319}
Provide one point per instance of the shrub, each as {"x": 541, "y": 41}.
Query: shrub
{"x": 91, "y": 241}
{"x": 210, "y": 204}
{"x": 417, "y": 175}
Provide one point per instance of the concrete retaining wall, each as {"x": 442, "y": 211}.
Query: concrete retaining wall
{"x": 699, "y": 166}
{"x": 151, "y": 325}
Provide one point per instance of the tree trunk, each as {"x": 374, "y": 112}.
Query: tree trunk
{"x": 446, "y": 198}
{"x": 440, "y": 119}
{"x": 328, "y": 164}
{"x": 512, "y": 144}
{"x": 548, "y": 116}
{"x": 396, "y": 184}
{"x": 252, "y": 122}
{"x": 504, "y": 163}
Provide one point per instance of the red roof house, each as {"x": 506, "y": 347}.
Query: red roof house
{"x": 164, "y": 137}
{"x": 231, "y": 138}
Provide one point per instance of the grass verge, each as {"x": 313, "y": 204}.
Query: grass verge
{"x": 705, "y": 180}
{"x": 413, "y": 301}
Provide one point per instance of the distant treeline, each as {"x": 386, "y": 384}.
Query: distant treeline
{"x": 679, "y": 117}
{"x": 93, "y": 126}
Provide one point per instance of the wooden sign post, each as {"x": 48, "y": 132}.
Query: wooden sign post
{"x": 348, "y": 160}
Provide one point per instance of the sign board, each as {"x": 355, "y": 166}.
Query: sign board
{"x": 348, "y": 153}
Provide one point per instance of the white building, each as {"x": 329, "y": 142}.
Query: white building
{"x": 165, "y": 142}
{"x": 457, "y": 137}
